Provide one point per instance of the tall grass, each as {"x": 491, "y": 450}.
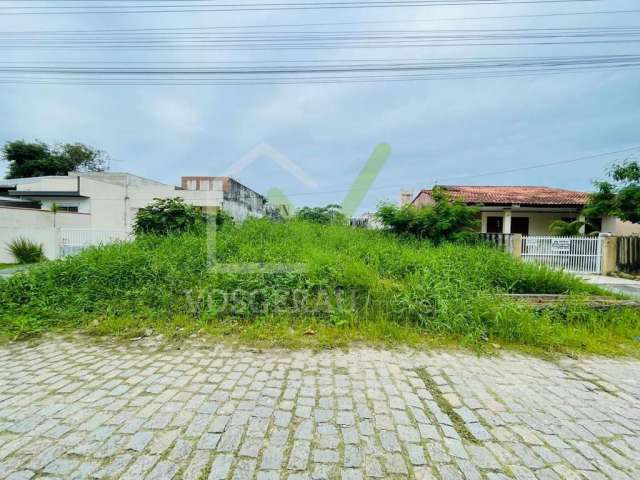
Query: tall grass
{"x": 352, "y": 279}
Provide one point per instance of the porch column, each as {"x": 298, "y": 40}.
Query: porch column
{"x": 583, "y": 219}
{"x": 506, "y": 223}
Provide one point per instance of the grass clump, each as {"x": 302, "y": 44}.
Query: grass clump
{"x": 26, "y": 251}
{"x": 344, "y": 285}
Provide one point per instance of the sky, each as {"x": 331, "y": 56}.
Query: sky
{"x": 447, "y": 131}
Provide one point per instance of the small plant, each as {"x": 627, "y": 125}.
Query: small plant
{"x": 567, "y": 229}
{"x": 168, "y": 216}
{"x": 26, "y": 251}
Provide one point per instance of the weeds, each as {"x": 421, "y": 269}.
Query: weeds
{"x": 356, "y": 285}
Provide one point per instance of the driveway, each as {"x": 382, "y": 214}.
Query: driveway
{"x": 84, "y": 410}
{"x": 614, "y": 284}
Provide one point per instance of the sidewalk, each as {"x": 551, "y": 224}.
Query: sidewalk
{"x": 614, "y": 284}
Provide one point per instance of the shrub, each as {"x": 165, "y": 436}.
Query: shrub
{"x": 445, "y": 220}
{"x": 165, "y": 216}
{"x": 323, "y": 215}
{"x": 223, "y": 218}
{"x": 26, "y": 251}
{"x": 567, "y": 229}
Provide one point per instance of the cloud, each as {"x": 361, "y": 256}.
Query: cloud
{"x": 437, "y": 129}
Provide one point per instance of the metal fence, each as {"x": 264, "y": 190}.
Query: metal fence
{"x": 572, "y": 254}
{"x": 628, "y": 254}
{"x": 74, "y": 240}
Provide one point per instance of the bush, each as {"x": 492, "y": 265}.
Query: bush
{"x": 445, "y": 220}
{"x": 323, "y": 215}
{"x": 26, "y": 251}
{"x": 222, "y": 218}
{"x": 165, "y": 216}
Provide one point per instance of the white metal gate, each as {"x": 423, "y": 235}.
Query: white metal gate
{"x": 572, "y": 254}
{"x": 74, "y": 240}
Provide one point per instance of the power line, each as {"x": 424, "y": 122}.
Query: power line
{"x": 299, "y": 25}
{"x": 484, "y": 174}
{"x": 231, "y": 7}
{"x": 330, "y": 40}
{"x": 299, "y": 73}
{"x": 332, "y": 67}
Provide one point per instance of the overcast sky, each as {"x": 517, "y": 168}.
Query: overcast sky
{"x": 449, "y": 131}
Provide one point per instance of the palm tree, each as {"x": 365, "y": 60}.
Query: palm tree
{"x": 562, "y": 228}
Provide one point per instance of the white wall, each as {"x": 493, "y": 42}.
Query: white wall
{"x": 113, "y": 199}
{"x": 37, "y": 226}
{"x": 615, "y": 226}
{"x": 50, "y": 184}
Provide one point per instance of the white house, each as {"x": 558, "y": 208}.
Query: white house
{"x": 526, "y": 210}
{"x": 106, "y": 202}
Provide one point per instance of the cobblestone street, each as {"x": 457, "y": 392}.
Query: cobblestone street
{"x": 78, "y": 409}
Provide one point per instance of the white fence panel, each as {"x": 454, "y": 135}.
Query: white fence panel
{"x": 572, "y": 254}
{"x": 74, "y": 240}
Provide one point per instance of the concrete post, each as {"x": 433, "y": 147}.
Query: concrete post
{"x": 609, "y": 253}
{"x": 506, "y": 223}
{"x": 516, "y": 245}
{"x": 583, "y": 219}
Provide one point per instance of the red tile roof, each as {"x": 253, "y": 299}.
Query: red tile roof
{"x": 524, "y": 195}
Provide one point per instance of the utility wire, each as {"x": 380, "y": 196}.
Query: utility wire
{"x": 231, "y": 7}
{"x": 483, "y": 174}
{"x": 324, "y": 24}
{"x": 328, "y": 72}
{"x": 328, "y": 40}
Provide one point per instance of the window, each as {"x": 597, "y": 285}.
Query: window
{"x": 520, "y": 225}
{"x": 68, "y": 208}
{"x": 494, "y": 224}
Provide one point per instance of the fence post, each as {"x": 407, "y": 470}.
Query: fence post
{"x": 57, "y": 243}
{"x": 516, "y": 245}
{"x": 609, "y": 253}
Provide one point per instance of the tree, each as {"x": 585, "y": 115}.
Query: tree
{"x": 620, "y": 198}
{"x": 445, "y": 220}
{"x": 331, "y": 213}
{"x": 36, "y": 159}
{"x": 167, "y": 216}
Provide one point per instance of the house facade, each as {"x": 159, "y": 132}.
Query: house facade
{"x": 103, "y": 205}
{"x": 526, "y": 210}
{"x": 113, "y": 199}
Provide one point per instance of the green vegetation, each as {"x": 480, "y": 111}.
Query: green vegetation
{"x": 168, "y": 216}
{"x": 26, "y": 251}
{"x": 447, "y": 219}
{"x": 4, "y": 266}
{"x": 566, "y": 229}
{"x": 323, "y": 215}
{"x": 620, "y": 198}
{"x": 36, "y": 159}
{"x": 310, "y": 284}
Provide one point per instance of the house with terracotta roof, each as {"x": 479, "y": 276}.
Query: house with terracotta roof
{"x": 526, "y": 210}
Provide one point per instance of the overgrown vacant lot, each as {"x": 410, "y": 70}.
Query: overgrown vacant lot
{"x": 298, "y": 283}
